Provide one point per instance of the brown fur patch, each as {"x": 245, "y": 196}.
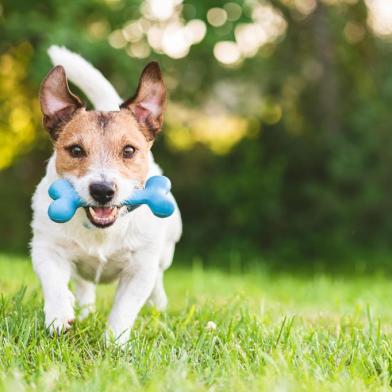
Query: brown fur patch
{"x": 103, "y": 119}
{"x": 103, "y": 135}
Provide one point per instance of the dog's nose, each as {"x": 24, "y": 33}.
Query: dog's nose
{"x": 102, "y": 192}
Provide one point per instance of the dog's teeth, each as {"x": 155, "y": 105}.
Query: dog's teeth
{"x": 92, "y": 212}
{"x": 96, "y": 215}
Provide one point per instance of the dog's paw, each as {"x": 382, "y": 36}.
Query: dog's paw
{"x": 59, "y": 316}
{"x": 58, "y": 326}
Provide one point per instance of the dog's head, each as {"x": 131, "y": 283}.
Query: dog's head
{"x": 104, "y": 154}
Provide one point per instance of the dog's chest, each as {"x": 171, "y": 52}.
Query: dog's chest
{"x": 102, "y": 256}
{"x": 98, "y": 269}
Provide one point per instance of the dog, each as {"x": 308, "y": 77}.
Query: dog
{"x": 105, "y": 154}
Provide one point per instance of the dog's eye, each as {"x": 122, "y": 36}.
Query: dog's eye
{"x": 128, "y": 151}
{"x": 76, "y": 151}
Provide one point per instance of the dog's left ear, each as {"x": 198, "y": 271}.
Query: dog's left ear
{"x": 148, "y": 104}
{"x": 58, "y": 104}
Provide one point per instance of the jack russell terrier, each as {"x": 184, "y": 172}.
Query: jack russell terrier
{"x": 105, "y": 154}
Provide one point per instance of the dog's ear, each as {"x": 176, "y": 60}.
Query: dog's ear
{"x": 58, "y": 104}
{"x": 148, "y": 104}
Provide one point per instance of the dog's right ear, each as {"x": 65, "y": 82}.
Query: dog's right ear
{"x": 58, "y": 104}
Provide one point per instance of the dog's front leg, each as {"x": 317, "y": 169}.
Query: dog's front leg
{"x": 54, "y": 272}
{"x": 135, "y": 287}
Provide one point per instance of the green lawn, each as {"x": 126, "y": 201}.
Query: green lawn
{"x": 273, "y": 332}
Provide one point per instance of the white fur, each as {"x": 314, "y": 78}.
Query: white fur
{"x": 135, "y": 250}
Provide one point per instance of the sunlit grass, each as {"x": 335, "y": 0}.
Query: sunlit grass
{"x": 273, "y": 332}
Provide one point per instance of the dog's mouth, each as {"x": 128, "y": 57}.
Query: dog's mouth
{"x": 102, "y": 216}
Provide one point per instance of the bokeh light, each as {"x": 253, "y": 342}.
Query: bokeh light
{"x": 139, "y": 50}
{"x": 133, "y": 31}
{"x": 196, "y": 30}
{"x": 305, "y": 7}
{"x": 117, "y": 39}
{"x": 174, "y": 41}
{"x": 161, "y": 28}
{"x": 354, "y": 32}
{"x": 233, "y": 10}
{"x": 216, "y": 17}
{"x": 227, "y": 52}
{"x": 380, "y": 16}
{"x": 268, "y": 24}
{"x": 160, "y": 9}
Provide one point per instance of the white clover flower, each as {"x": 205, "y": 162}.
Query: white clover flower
{"x": 211, "y": 326}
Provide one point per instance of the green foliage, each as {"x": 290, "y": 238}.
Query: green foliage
{"x": 272, "y": 332}
{"x": 311, "y": 175}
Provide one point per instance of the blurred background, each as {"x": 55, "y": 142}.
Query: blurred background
{"x": 278, "y": 134}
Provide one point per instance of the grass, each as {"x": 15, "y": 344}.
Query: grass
{"x": 273, "y": 332}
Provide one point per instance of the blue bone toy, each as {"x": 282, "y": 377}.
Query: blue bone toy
{"x": 67, "y": 201}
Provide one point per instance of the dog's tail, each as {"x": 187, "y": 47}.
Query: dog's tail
{"x": 97, "y": 88}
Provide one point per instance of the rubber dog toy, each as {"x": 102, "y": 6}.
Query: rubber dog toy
{"x": 155, "y": 195}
